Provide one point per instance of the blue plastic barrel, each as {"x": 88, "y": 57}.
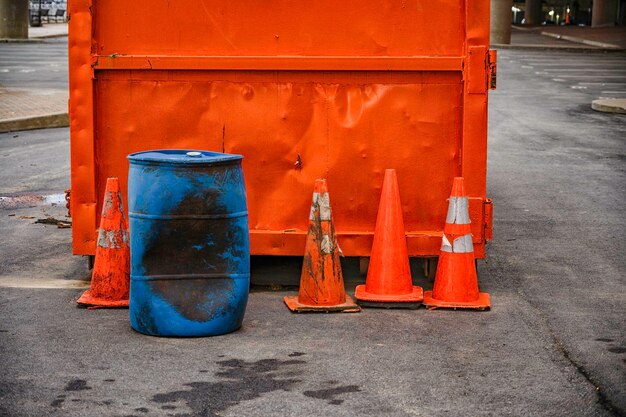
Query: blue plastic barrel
{"x": 189, "y": 243}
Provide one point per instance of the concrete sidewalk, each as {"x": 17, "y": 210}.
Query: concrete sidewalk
{"x": 49, "y": 30}
{"x": 24, "y": 109}
{"x": 33, "y": 83}
{"x": 567, "y": 38}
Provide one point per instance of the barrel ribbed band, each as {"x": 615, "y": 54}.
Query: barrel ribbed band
{"x": 462, "y": 244}
{"x": 172, "y": 277}
{"x": 458, "y": 211}
{"x": 187, "y": 216}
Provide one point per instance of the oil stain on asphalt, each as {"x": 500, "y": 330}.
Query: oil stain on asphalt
{"x": 242, "y": 381}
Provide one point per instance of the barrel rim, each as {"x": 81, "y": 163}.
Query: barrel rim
{"x": 210, "y": 158}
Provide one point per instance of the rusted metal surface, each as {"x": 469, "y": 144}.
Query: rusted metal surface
{"x": 321, "y": 282}
{"x": 68, "y": 204}
{"x": 111, "y": 271}
{"x": 493, "y": 69}
{"x": 190, "y": 266}
{"x": 303, "y": 92}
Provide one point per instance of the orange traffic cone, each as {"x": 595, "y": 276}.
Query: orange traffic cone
{"x": 388, "y": 283}
{"x": 110, "y": 280}
{"x": 456, "y": 283}
{"x": 321, "y": 282}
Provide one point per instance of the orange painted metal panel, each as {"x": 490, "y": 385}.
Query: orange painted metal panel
{"x": 335, "y": 90}
{"x": 280, "y": 27}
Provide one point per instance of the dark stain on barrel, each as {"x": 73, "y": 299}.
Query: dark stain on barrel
{"x": 202, "y": 246}
{"x": 198, "y": 299}
{"x": 145, "y": 319}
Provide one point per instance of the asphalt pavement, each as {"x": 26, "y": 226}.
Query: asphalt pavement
{"x": 554, "y": 343}
{"x": 34, "y": 65}
{"x": 33, "y": 84}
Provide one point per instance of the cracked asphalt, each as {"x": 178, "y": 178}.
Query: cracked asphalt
{"x": 554, "y": 343}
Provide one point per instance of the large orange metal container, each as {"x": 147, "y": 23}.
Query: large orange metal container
{"x": 325, "y": 89}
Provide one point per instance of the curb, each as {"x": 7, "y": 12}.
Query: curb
{"x": 35, "y": 122}
{"x": 28, "y": 40}
{"x": 583, "y": 41}
{"x": 565, "y": 48}
{"x": 610, "y": 105}
{"x": 54, "y": 35}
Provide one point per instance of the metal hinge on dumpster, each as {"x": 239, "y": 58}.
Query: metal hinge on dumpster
{"x": 488, "y": 219}
{"x": 492, "y": 59}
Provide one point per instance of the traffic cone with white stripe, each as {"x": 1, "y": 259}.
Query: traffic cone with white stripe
{"x": 110, "y": 281}
{"x": 321, "y": 283}
{"x": 456, "y": 283}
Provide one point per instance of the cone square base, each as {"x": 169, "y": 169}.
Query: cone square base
{"x": 348, "y": 307}
{"x": 88, "y": 300}
{"x": 377, "y": 300}
{"x": 390, "y": 304}
{"x": 483, "y": 302}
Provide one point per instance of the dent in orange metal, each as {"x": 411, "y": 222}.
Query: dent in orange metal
{"x": 327, "y": 85}
{"x": 81, "y": 107}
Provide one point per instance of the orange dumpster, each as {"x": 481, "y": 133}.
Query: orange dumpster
{"x": 303, "y": 90}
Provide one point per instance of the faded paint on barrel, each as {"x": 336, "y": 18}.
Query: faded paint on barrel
{"x": 189, "y": 240}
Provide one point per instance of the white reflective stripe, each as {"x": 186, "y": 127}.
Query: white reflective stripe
{"x": 323, "y": 202}
{"x": 463, "y": 244}
{"x": 327, "y": 245}
{"x": 446, "y": 246}
{"x": 112, "y": 239}
{"x": 458, "y": 211}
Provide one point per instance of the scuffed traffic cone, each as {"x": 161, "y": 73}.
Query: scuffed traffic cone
{"x": 456, "y": 283}
{"x": 388, "y": 283}
{"x": 321, "y": 282}
{"x": 110, "y": 280}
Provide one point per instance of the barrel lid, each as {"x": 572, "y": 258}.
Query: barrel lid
{"x": 182, "y": 156}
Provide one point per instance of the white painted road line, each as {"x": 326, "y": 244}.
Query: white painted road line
{"x": 33, "y": 283}
{"x": 604, "y": 71}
